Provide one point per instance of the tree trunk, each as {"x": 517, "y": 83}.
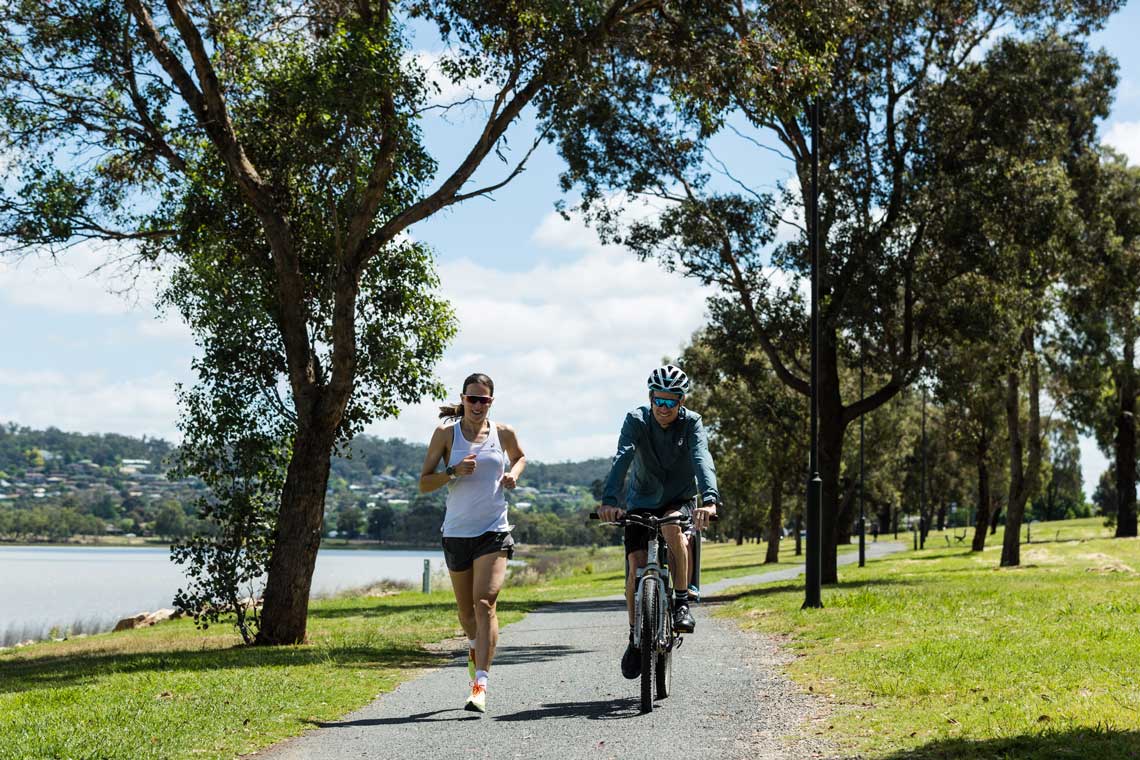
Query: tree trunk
{"x": 286, "y": 605}
{"x": 831, "y": 427}
{"x": 1125, "y": 443}
{"x": 845, "y": 522}
{"x": 799, "y": 539}
{"x": 739, "y": 534}
{"x": 1022, "y": 479}
{"x": 941, "y": 517}
{"x": 982, "y": 520}
{"x": 775, "y": 522}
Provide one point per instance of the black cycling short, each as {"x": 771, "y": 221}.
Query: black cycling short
{"x": 460, "y": 553}
{"x": 637, "y": 536}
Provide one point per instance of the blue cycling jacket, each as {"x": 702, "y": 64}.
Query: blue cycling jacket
{"x": 665, "y": 461}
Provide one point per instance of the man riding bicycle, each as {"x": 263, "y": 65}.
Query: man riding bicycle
{"x": 667, "y": 446}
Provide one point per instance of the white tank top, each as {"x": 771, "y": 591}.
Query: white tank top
{"x": 476, "y": 503}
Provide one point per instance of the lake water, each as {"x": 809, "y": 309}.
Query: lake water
{"x": 42, "y": 587}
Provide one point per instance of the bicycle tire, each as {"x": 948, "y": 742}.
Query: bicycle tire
{"x": 663, "y": 672}
{"x": 648, "y": 643}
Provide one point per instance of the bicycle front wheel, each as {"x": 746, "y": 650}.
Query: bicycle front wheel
{"x": 649, "y": 614}
{"x": 664, "y": 671}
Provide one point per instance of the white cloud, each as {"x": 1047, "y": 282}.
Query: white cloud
{"x": 568, "y": 345}
{"x": 90, "y": 402}
{"x": 443, "y": 91}
{"x": 85, "y": 279}
{"x": 1125, "y": 137}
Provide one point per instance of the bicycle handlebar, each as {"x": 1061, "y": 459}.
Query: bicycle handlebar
{"x": 641, "y": 518}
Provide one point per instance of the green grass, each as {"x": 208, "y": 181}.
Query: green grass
{"x": 172, "y": 691}
{"x": 941, "y": 654}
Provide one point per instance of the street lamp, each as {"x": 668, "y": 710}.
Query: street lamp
{"x": 812, "y": 597}
{"x": 922, "y": 526}
{"x": 862, "y": 519}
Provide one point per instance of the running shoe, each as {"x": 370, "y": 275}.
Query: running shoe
{"x": 683, "y": 620}
{"x": 631, "y": 661}
{"x": 477, "y": 702}
{"x": 471, "y": 665}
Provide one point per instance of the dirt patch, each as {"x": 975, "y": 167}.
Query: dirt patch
{"x": 1104, "y": 563}
{"x": 797, "y": 720}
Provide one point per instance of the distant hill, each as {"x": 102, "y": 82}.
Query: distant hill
{"x": 365, "y": 458}
{"x": 19, "y": 447}
{"x": 368, "y": 456}
{"x": 56, "y": 485}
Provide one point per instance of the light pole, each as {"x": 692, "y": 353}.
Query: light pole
{"x": 862, "y": 519}
{"x": 922, "y": 526}
{"x": 812, "y": 597}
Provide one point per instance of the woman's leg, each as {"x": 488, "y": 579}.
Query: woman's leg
{"x": 490, "y": 570}
{"x": 462, "y": 585}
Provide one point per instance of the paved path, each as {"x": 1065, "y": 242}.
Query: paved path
{"x": 556, "y": 692}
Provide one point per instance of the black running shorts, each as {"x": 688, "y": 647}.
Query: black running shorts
{"x": 461, "y": 553}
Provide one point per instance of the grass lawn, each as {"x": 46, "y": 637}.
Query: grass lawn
{"x": 941, "y": 654}
{"x": 172, "y": 691}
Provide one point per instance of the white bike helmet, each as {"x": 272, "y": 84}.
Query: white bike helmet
{"x": 669, "y": 379}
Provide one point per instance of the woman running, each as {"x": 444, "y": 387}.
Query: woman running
{"x": 480, "y": 459}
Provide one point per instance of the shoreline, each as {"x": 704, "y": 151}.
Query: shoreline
{"x": 91, "y": 542}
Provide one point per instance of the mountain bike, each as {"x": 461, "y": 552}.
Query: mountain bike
{"x": 653, "y": 632}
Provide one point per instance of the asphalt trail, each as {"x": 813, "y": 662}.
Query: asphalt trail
{"x": 556, "y": 692}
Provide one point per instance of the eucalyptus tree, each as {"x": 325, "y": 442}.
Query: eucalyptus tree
{"x": 272, "y": 149}
{"x": 1016, "y": 141}
{"x": 969, "y": 370}
{"x": 757, "y": 424}
{"x": 1098, "y": 334}
{"x": 876, "y": 67}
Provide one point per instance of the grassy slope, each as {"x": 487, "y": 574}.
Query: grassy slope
{"x": 940, "y": 654}
{"x": 175, "y": 692}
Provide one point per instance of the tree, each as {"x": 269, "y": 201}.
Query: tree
{"x": 1097, "y": 337}
{"x": 756, "y": 425}
{"x": 1006, "y": 179}
{"x": 170, "y": 521}
{"x": 224, "y": 137}
{"x": 349, "y": 522}
{"x": 882, "y": 272}
{"x": 1105, "y": 498}
{"x": 380, "y": 520}
{"x": 1062, "y": 497}
{"x": 969, "y": 376}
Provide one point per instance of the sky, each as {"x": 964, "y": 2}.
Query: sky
{"x": 568, "y": 328}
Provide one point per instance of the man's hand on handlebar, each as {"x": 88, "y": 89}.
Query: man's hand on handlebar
{"x": 607, "y": 513}
{"x": 703, "y": 514}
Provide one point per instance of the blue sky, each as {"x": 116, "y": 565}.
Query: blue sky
{"x": 567, "y": 327}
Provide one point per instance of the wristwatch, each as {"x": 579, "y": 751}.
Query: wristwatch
{"x": 450, "y": 472}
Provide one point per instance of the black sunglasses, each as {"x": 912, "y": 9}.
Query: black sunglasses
{"x": 478, "y": 399}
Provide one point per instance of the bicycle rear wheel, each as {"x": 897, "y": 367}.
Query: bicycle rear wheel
{"x": 648, "y": 643}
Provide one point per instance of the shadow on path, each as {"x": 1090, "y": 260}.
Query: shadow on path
{"x": 425, "y": 717}
{"x": 521, "y": 655}
{"x": 602, "y": 709}
{"x": 585, "y": 605}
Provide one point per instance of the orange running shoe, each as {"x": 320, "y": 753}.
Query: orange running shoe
{"x": 477, "y": 702}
